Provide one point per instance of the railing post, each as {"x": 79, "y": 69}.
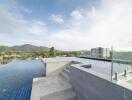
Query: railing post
{"x": 125, "y": 73}
{"x": 111, "y": 63}
{"x": 116, "y": 76}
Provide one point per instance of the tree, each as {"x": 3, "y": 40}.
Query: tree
{"x": 52, "y": 52}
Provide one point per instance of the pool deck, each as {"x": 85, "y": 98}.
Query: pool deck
{"x": 47, "y": 88}
{"x": 125, "y": 81}
{"x": 56, "y": 86}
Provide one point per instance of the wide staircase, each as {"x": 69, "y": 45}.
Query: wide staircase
{"x": 65, "y": 73}
{"x": 56, "y": 86}
{"x": 66, "y": 94}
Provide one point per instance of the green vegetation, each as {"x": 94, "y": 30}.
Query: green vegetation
{"x": 11, "y": 55}
{"x": 52, "y": 52}
{"x": 123, "y": 55}
{"x": 28, "y": 51}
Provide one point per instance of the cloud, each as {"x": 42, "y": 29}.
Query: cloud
{"x": 38, "y": 28}
{"x": 10, "y": 23}
{"x": 76, "y": 14}
{"x": 111, "y": 24}
{"x": 25, "y": 10}
{"x": 107, "y": 25}
{"x": 57, "y": 18}
{"x": 14, "y": 29}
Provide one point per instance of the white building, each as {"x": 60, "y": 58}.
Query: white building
{"x": 100, "y": 52}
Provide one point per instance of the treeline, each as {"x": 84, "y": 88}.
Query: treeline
{"x": 10, "y": 55}
{"x": 123, "y": 55}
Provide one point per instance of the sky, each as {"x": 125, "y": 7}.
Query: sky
{"x": 67, "y": 24}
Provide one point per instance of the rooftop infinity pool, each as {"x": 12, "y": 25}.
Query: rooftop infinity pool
{"x": 16, "y": 78}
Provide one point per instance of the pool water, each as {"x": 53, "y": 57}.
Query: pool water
{"x": 16, "y": 78}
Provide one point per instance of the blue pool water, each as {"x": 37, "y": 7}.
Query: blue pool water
{"x": 16, "y": 78}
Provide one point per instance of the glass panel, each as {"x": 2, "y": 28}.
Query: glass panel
{"x": 121, "y": 63}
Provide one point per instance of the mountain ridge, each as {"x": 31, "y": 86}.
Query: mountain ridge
{"x": 24, "y": 47}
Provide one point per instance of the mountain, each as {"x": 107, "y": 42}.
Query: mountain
{"x": 25, "y": 47}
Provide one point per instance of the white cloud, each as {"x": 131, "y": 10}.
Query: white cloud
{"x": 57, "y": 18}
{"x": 38, "y": 28}
{"x": 106, "y": 26}
{"x": 24, "y": 9}
{"x": 76, "y": 14}
{"x": 14, "y": 29}
{"x": 10, "y": 23}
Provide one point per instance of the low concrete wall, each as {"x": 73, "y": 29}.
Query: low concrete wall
{"x": 90, "y": 87}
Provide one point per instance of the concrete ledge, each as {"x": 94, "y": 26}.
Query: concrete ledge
{"x": 89, "y": 85}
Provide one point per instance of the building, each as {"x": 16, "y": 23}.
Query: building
{"x": 100, "y": 52}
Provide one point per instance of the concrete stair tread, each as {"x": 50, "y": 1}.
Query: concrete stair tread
{"x": 64, "y": 74}
{"x": 67, "y": 71}
{"x": 66, "y": 94}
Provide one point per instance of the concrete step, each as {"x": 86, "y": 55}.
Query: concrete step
{"x": 67, "y": 71}
{"x": 68, "y": 67}
{"x": 66, "y": 94}
{"x": 72, "y": 98}
{"x": 65, "y": 76}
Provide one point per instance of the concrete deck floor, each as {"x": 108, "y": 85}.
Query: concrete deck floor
{"x": 55, "y": 85}
{"x": 50, "y": 85}
{"x": 125, "y": 81}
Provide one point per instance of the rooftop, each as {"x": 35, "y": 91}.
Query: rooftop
{"x": 56, "y": 85}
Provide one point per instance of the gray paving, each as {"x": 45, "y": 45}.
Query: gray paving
{"x": 55, "y": 86}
